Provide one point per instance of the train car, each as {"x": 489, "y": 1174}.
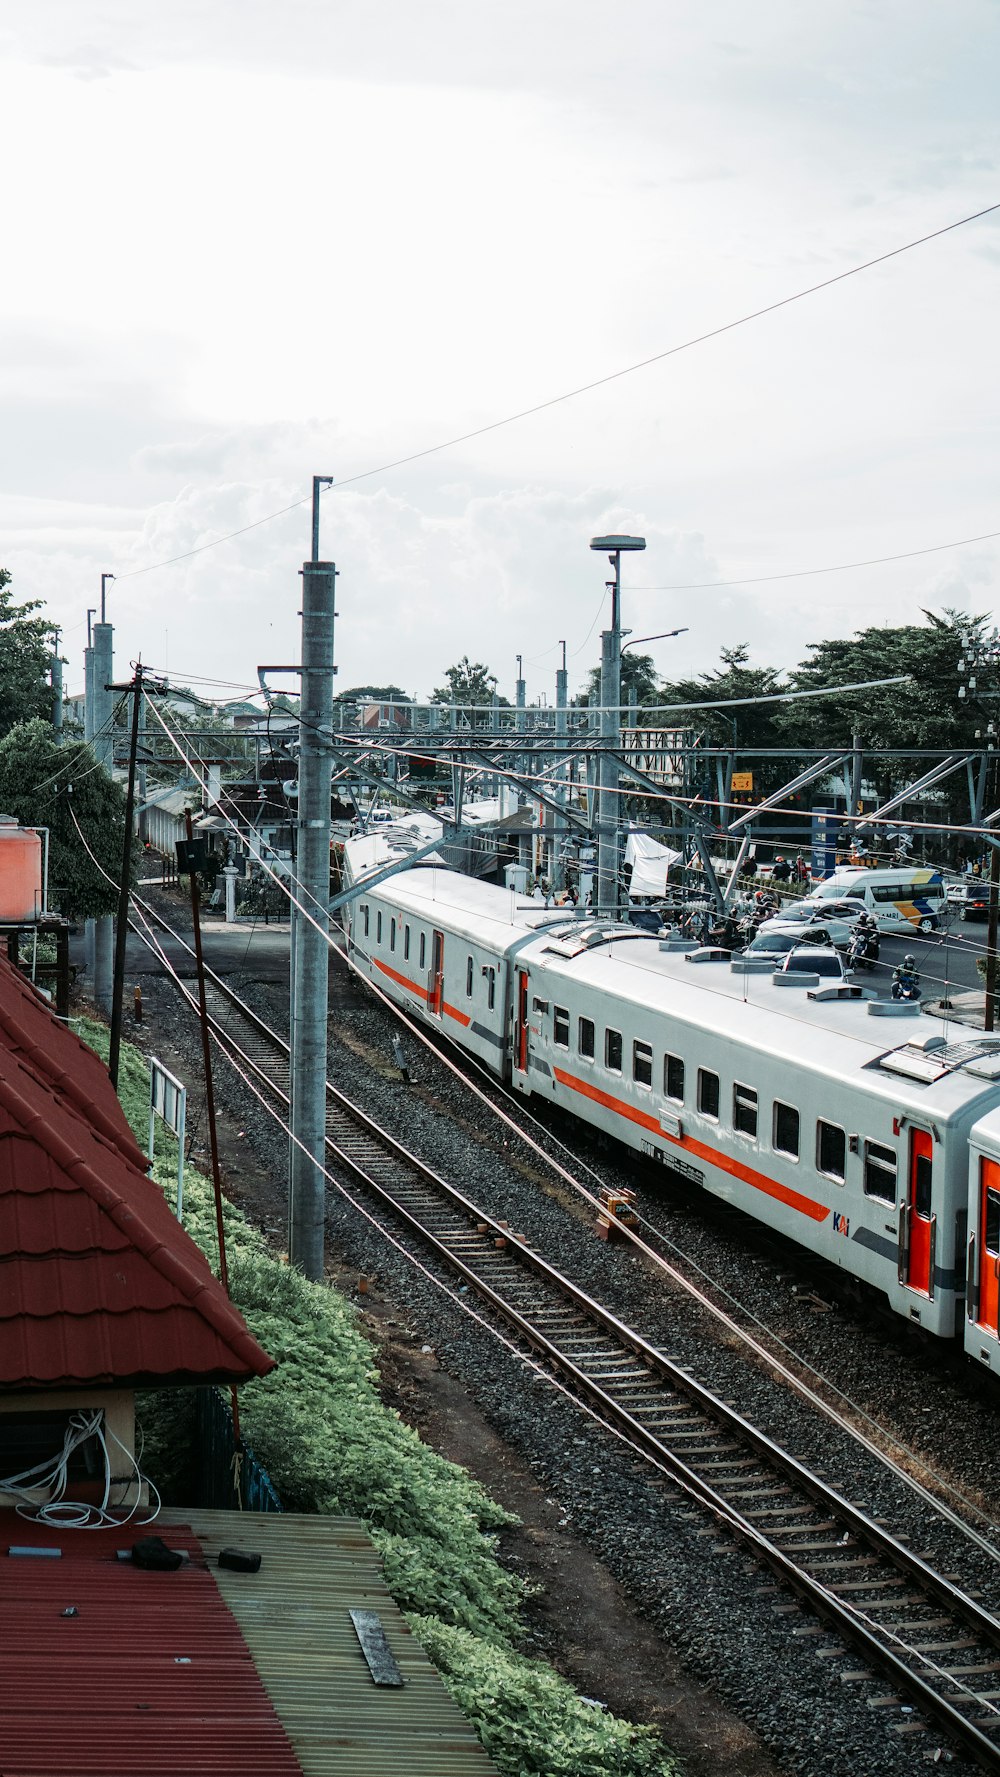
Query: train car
{"x": 440, "y": 944}
{"x": 982, "y": 1298}
{"x": 840, "y": 1120}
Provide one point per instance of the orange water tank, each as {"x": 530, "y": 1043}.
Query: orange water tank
{"x": 20, "y": 872}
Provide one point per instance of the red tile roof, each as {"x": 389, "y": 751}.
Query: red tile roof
{"x": 151, "y": 1676}
{"x": 99, "y": 1283}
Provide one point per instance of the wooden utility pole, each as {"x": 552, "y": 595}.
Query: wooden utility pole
{"x": 121, "y": 929}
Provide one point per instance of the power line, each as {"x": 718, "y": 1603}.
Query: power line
{"x": 583, "y": 388}
{"x": 843, "y": 567}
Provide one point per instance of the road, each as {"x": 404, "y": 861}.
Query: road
{"x": 946, "y": 960}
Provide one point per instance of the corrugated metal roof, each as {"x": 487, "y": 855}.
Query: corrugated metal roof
{"x": 98, "y": 1281}
{"x": 294, "y": 1614}
{"x": 152, "y": 1675}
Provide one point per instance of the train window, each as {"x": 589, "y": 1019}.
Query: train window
{"x": 378, "y": 928}
{"x": 785, "y": 1131}
{"x": 613, "y": 1051}
{"x": 468, "y": 978}
{"x": 745, "y": 1109}
{"x": 392, "y": 934}
{"x": 585, "y": 1037}
{"x": 560, "y": 1026}
{"x": 922, "y": 1185}
{"x": 642, "y": 1063}
{"x": 423, "y": 950}
{"x": 708, "y": 1093}
{"x": 491, "y": 986}
{"x": 406, "y": 943}
{"x": 880, "y": 1172}
{"x": 831, "y": 1151}
{"x": 673, "y": 1078}
{"x": 364, "y": 915}
{"x": 991, "y": 1232}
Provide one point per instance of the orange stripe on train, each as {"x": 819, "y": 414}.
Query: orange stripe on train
{"x": 421, "y": 992}
{"x": 806, "y": 1206}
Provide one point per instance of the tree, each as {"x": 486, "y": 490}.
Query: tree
{"x": 638, "y": 674}
{"x": 925, "y": 712}
{"x": 470, "y": 682}
{"x": 25, "y": 653}
{"x": 373, "y": 694}
{"x": 40, "y": 782}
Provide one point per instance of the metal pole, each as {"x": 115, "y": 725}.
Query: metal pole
{"x": 855, "y": 807}
{"x": 307, "y": 1195}
{"x": 991, "y": 939}
{"x": 121, "y": 929}
{"x": 318, "y": 482}
{"x": 607, "y": 801}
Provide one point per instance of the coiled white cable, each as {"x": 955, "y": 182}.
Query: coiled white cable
{"x": 52, "y": 1476}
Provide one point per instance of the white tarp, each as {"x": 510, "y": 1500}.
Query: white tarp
{"x": 650, "y": 863}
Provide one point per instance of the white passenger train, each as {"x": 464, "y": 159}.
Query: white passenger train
{"x": 864, "y": 1130}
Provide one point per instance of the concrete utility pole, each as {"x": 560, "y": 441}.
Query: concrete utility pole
{"x": 557, "y": 873}
{"x": 310, "y": 986}
{"x": 102, "y": 745}
{"x": 608, "y": 814}
{"x": 56, "y": 681}
{"x": 524, "y": 841}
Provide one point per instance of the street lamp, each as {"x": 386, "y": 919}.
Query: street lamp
{"x": 664, "y": 636}
{"x": 611, "y": 697}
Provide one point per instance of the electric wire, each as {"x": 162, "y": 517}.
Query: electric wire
{"x": 581, "y": 1190}
{"x": 583, "y": 389}
{"x": 844, "y": 567}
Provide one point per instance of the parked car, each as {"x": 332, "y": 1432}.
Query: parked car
{"x": 970, "y": 898}
{"x": 830, "y": 922}
{"x": 815, "y": 959}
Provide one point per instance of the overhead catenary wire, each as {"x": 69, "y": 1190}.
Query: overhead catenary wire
{"x": 284, "y": 884}
{"x": 582, "y": 389}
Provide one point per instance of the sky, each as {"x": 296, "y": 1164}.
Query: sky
{"x": 248, "y": 243}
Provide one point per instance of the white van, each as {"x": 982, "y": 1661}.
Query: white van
{"x": 909, "y": 898}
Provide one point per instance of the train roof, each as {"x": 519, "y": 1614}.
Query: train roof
{"x": 915, "y": 1059}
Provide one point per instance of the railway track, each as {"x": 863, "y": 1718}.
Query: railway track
{"x": 935, "y": 1643}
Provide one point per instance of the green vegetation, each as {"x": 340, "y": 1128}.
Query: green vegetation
{"x": 330, "y": 1445}
{"x": 25, "y": 654}
{"x": 40, "y": 781}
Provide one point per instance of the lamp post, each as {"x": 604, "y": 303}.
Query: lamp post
{"x": 611, "y": 696}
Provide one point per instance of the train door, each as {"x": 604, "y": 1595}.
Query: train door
{"x": 988, "y": 1310}
{"x": 435, "y": 998}
{"x": 521, "y": 1022}
{"x": 919, "y": 1233}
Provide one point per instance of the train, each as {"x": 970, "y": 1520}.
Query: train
{"x": 862, "y": 1129}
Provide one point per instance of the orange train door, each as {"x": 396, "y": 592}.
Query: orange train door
{"x": 435, "y": 998}
{"x": 919, "y": 1214}
{"x": 521, "y": 1023}
{"x": 989, "y": 1245}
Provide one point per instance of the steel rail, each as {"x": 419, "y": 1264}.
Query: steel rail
{"x": 805, "y": 1584}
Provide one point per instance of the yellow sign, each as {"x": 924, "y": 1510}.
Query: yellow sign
{"x": 742, "y": 780}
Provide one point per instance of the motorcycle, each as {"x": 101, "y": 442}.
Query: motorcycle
{"x": 905, "y": 984}
{"x": 863, "y": 949}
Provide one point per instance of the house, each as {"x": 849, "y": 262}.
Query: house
{"x": 101, "y": 1290}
